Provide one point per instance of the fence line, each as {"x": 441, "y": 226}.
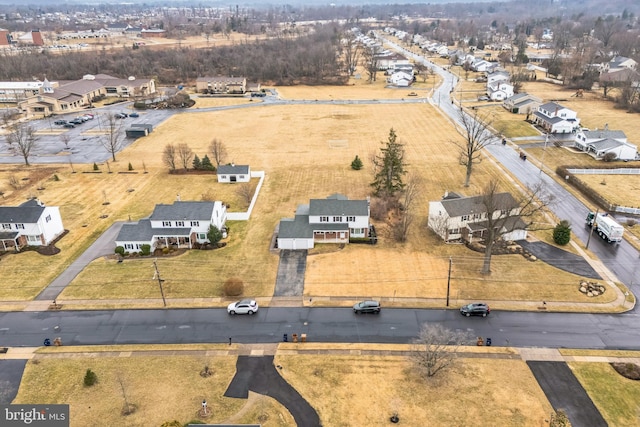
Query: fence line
{"x": 626, "y": 209}
{"x": 244, "y": 216}
{"x": 617, "y": 171}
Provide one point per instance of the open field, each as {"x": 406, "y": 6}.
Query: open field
{"x": 621, "y": 190}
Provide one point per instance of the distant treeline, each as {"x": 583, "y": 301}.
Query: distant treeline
{"x": 308, "y": 59}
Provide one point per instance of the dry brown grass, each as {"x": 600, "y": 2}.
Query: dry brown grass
{"x": 621, "y": 190}
{"x": 369, "y": 389}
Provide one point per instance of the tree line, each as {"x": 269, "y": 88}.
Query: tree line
{"x": 306, "y": 59}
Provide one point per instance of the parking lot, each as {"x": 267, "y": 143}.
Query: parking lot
{"x": 84, "y": 140}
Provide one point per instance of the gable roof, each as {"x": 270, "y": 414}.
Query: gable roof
{"x": 143, "y": 232}
{"x": 338, "y": 206}
{"x": 181, "y": 211}
{"x": 233, "y": 170}
{"x": 552, "y": 106}
{"x": 473, "y": 204}
{"x": 602, "y": 134}
{"x": 29, "y": 213}
{"x": 605, "y": 144}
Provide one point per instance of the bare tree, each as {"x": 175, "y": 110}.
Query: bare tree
{"x": 407, "y": 202}
{"x": 218, "y": 151}
{"x": 351, "y": 49}
{"x": 169, "y": 156}
{"x": 185, "y": 154}
{"x": 371, "y": 61}
{"x": 23, "y": 136}
{"x": 477, "y": 136}
{"x": 112, "y": 141}
{"x": 245, "y": 192}
{"x": 505, "y": 213}
{"x": 435, "y": 348}
{"x": 65, "y": 140}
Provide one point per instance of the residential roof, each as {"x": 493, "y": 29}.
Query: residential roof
{"x": 9, "y": 235}
{"x": 552, "y": 120}
{"x": 27, "y": 213}
{"x": 605, "y": 144}
{"x": 507, "y": 224}
{"x": 143, "y": 232}
{"x": 191, "y": 211}
{"x": 551, "y": 106}
{"x": 338, "y": 207}
{"x": 233, "y": 170}
{"x": 299, "y": 227}
{"x": 225, "y": 79}
{"x": 474, "y": 204}
{"x": 601, "y": 134}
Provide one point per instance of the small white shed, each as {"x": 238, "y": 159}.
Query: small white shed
{"x": 234, "y": 173}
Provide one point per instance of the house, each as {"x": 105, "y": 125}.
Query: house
{"x": 30, "y": 224}
{"x": 400, "y": 79}
{"x": 179, "y": 225}
{"x": 598, "y": 143}
{"x": 389, "y": 61}
{"x": 456, "y": 218}
{"x": 335, "y": 219}
{"x": 498, "y": 76}
{"x": 499, "y": 91}
{"x": 482, "y": 66}
{"x": 153, "y": 33}
{"x": 618, "y": 63}
{"x": 220, "y": 85}
{"x": 234, "y": 173}
{"x": 522, "y": 103}
{"x": 33, "y": 38}
{"x": 554, "y": 118}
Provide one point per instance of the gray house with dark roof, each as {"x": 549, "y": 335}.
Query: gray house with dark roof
{"x": 178, "y": 225}
{"x": 234, "y": 173}
{"x": 335, "y": 219}
{"x": 554, "y": 118}
{"x": 30, "y": 224}
{"x": 465, "y": 218}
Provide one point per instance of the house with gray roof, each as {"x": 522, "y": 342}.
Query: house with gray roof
{"x": 554, "y": 118}
{"x": 457, "y": 218}
{"x": 179, "y": 225}
{"x": 522, "y": 103}
{"x": 598, "y": 143}
{"x": 233, "y": 173}
{"x": 29, "y": 224}
{"x": 335, "y": 219}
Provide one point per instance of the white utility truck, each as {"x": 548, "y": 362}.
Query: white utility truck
{"x": 605, "y": 226}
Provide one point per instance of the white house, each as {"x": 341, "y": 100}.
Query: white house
{"x": 400, "y": 79}
{"x": 618, "y": 63}
{"x": 598, "y": 143}
{"x": 499, "y": 91}
{"x": 554, "y": 118}
{"x": 522, "y": 103}
{"x": 335, "y": 219}
{"x": 389, "y": 61}
{"x": 481, "y": 65}
{"x": 30, "y": 224}
{"x": 456, "y": 218}
{"x": 180, "y": 225}
{"x": 234, "y": 173}
{"x": 498, "y": 76}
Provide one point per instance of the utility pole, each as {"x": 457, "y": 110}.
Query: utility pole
{"x": 157, "y": 275}
{"x": 449, "y": 282}
{"x": 593, "y": 225}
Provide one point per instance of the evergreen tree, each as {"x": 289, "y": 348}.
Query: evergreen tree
{"x": 356, "y": 164}
{"x": 390, "y": 167}
{"x": 206, "y": 164}
{"x": 214, "y": 235}
{"x": 197, "y": 164}
{"x": 562, "y": 232}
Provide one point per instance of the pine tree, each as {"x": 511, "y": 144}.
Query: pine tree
{"x": 206, "y": 163}
{"x": 562, "y": 232}
{"x": 197, "y": 164}
{"x": 356, "y": 164}
{"x": 390, "y": 167}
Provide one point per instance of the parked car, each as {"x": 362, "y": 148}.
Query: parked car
{"x": 245, "y": 306}
{"x": 69, "y": 125}
{"x": 121, "y": 115}
{"x": 76, "y": 121}
{"x": 134, "y": 114}
{"x": 368, "y": 306}
{"x": 87, "y": 117}
{"x": 475, "y": 309}
{"x": 484, "y": 98}
{"x": 60, "y": 122}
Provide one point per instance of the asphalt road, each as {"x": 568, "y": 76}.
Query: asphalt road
{"x": 554, "y": 330}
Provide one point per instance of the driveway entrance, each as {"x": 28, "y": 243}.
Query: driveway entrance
{"x": 291, "y": 269}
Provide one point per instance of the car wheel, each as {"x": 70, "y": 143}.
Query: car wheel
{"x": 484, "y": 314}
{"x": 232, "y": 312}
{"x": 250, "y": 312}
{"x": 356, "y": 311}
{"x": 467, "y": 314}
{"x": 377, "y": 311}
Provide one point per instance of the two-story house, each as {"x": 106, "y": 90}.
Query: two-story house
{"x": 178, "y": 225}
{"x": 30, "y": 224}
{"x": 457, "y": 218}
{"x": 335, "y": 219}
{"x": 554, "y": 118}
{"x": 598, "y": 143}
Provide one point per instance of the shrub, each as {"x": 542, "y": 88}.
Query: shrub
{"x": 165, "y": 250}
{"x": 356, "y": 164}
{"x": 90, "y": 378}
{"x": 120, "y": 250}
{"x": 56, "y": 178}
{"x": 95, "y": 167}
{"x": 173, "y": 423}
{"x": 140, "y": 105}
{"x": 145, "y": 249}
{"x": 130, "y": 166}
{"x": 609, "y": 157}
{"x": 233, "y": 287}
{"x": 562, "y": 232}
{"x": 631, "y": 222}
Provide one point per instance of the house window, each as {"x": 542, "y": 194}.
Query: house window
{"x": 223, "y": 176}
{"x": 195, "y": 223}
{"x": 202, "y": 236}
{"x": 241, "y": 176}
{"x": 48, "y": 218}
{"x": 33, "y": 239}
{"x": 6, "y": 226}
{"x": 324, "y": 219}
{"x": 454, "y": 231}
{"x": 351, "y": 219}
{"x": 179, "y": 223}
{"x": 166, "y": 223}
{"x": 128, "y": 246}
{"x": 504, "y": 212}
{"x": 20, "y": 226}
{"x": 337, "y": 219}
{"x": 465, "y": 218}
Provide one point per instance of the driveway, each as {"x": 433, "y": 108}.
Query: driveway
{"x": 104, "y": 245}
{"x": 260, "y": 376}
{"x": 291, "y": 269}
{"x": 565, "y": 392}
{"x": 558, "y": 258}
{"x": 10, "y": 377}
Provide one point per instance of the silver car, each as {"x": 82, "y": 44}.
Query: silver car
{"x": 245, "y": 306}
